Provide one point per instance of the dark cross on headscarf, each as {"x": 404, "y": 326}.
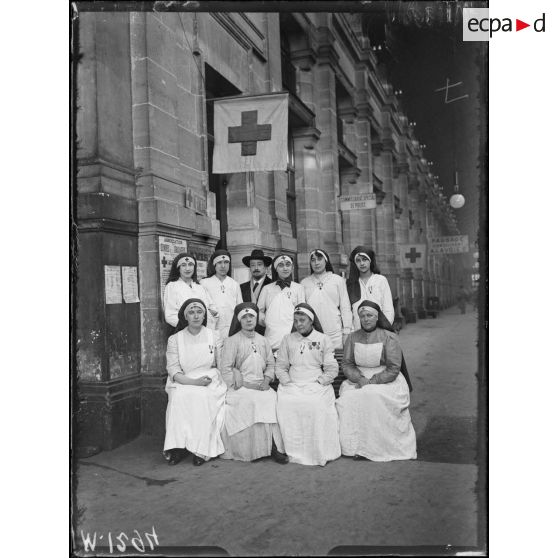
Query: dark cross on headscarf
{"x": 249, "y": 133}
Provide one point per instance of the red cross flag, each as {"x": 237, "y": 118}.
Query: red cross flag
{"x": 412, "y": 255}
{"x": 251, "y": 133}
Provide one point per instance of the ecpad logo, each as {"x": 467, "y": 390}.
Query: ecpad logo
{"x": 478, "y": 26}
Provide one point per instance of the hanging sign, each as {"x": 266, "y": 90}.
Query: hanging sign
{"x": 412, "y": 255}
{"x": 458, "y": 244}
{"x": 357, "y": 201}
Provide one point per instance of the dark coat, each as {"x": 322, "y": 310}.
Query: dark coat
{"x": 247, "y": 297}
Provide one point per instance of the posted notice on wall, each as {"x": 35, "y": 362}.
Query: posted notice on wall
{"x": 130, "y": 284}
{"x": 169, "y": 248}
{"x": 113, "y": 284}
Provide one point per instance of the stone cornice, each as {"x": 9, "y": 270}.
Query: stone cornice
{"x": 309, "y": 135}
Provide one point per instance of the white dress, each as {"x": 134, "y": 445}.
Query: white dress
{"x": 306, "y": 405}
{"x": 328, "y": 296}
{"x": 195, "y": 414}
{"x": 376, "y": 289}
{"x": 251, "y": 414}
{"x": 276, "y": 307}
{"x": 177, "y": 292}
{"x": 374, "y": 421}
{"x": 226, "y": 295}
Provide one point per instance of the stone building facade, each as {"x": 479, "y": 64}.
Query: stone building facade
{"x": 145, "y": 84}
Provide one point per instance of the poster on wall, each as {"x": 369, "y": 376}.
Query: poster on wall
{"x": 130, "y": 284}
{"x": 113, "y": 285}
{"x": 169, "y": 248}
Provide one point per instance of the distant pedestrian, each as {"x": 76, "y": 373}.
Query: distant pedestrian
{"x": 306, "y": 368}
{"x": 183, "y": 284}
{"x": 326, "y": 292}
{"x": 247, "y": 366}
{"x": 196, "y": 392}
{"x": 278, "y": 299}
{"x": 373, "y": 404}
{"x": 222, "y": 288}
{"x": 462, "y": 298}
{"x": 366, "y": 283}
{"x": 258, "y": 264}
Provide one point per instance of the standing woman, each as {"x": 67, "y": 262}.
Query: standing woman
{"x": 306, "y": 368}
{"x": 182, "y": 284}
{"x": 327, "y": 293}
{"x": 277, "y": 301}
{"x": 223, "y": 289}
{"x": 196, "y": 407}
{"x": 366, "y": 283}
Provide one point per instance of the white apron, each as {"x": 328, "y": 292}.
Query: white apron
{"x": 245, "y": 407}
{"x": 329, "y": 316}
{"x": 374, "y": 421}
{"x": 196, "y": 414}
{"x": 306, "y": 412}
{"x": 279, "y": 318}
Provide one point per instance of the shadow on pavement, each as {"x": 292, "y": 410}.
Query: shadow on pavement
{"x": 448, "y": 439}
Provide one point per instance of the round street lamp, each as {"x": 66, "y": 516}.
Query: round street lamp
{"x": 457, "y": 200}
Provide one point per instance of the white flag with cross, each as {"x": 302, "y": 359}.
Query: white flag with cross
{"x": 412, "y": 255}
{"x": 251, "y": 133}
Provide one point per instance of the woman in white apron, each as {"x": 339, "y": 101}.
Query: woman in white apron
{"x": 247, "y": 367}
{"x": 182, "y": 284}
{"x": 366, "y": 283}
{"x": 326, "y": 292}
{"x": 306, "y": 368}
{"x": 196, "y": 391}
{"x": 277, "y": 301}
{"x": 223, "y": 289}
{"x": 373, "y": 404}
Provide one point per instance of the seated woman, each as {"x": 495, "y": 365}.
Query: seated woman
{"x": 196, "y": 407}
{"x": 373, "y": 407}
{"x": 182, "y": 284}
{"x": 247, "y": 367}
{"x": 306, "y": 411}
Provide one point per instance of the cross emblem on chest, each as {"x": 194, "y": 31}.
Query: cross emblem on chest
{"x": 249, "y": 133}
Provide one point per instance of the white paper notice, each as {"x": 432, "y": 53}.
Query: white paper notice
{"x": 169, "y": 248}
{"x": 130, "y": 284}
{"x": 113, "y": 284}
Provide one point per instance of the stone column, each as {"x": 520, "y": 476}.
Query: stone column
{"x": 107, "y": 335}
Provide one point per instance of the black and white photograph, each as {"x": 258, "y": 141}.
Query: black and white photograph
{"x": 279, "y": 279}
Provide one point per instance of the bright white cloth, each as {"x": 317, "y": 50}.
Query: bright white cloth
{"x": 252, "y": 443}
{"x": 226, "y": 295}
{"x": 374, "y": 421}
{"x": 276, "y": 310}
{"x": 306, "y": 411}
{"x": 328, "y": 296}
{"x": 177, "y": 292}
{"x": 195, "y": 414}
{"x": 377, "y": 290}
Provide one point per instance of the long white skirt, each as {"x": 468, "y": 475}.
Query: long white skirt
{"x": 308, "y": 422}
{"x": 252, "y": 443}
{"x": 250, "y": 424}
{"x": 374, "y": 421}
{"x": 195, "y": 417}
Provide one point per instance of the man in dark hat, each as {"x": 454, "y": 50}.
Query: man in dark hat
{"x": 258, "y": 264}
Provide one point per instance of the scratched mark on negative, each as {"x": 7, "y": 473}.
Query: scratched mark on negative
{"x": 149, "y": 481}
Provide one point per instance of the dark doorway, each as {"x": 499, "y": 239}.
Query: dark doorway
{"x": 216, "y": 86}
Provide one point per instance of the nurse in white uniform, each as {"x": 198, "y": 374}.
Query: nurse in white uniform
{"x": 366, "y": 283}
{"x": 326, "y": 292}
{"x": 223, "y": 289}
{"x": 277, "y": 301}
